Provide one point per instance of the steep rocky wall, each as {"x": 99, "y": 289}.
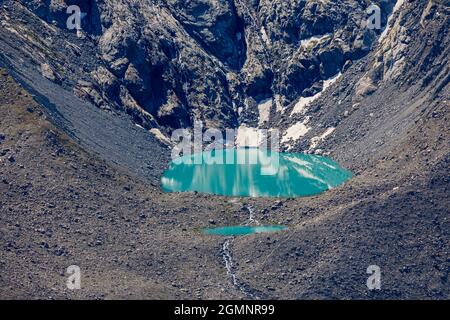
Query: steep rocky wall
{"x": 169, "y": 63}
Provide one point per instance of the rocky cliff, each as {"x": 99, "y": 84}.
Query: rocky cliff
{"x": 83, "y": 143}
{"x": 169, "y": 63}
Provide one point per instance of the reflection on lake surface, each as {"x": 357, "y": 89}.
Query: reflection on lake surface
{"x": 242, "y": 230}
{"x": 254, "y": 173}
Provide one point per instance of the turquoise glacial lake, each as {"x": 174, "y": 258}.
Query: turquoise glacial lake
{"x": 242, "y": 230}
{"x": 252, "y": 172}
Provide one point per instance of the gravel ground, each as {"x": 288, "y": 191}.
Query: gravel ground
{"x": 61, "y": 206}
{"x": 80, "y": 186}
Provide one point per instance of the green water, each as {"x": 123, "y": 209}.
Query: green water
{"x": 242, "y": 230}
{"x": 253, "y": 173}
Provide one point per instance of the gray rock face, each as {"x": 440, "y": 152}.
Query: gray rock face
{"x": 169, "y": 63}
{"x": 215, "y": 26}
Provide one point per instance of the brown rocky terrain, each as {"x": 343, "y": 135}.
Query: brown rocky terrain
{"x": 80, "y": 166}
{"x": 62, "y": 206}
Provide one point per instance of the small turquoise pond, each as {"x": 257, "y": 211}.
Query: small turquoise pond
{"x": 242, "y": 230}
{"x": 252, "y": 172}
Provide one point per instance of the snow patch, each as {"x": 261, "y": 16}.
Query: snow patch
{"x": 306, "y": 43}
{"x": 398, "y": 5}
{"x": 316, "y": 140}
{"x": 328, "y": 83}
{"x": 296, "y": 131}
{"x": 278, "y": 103}
{"x": 304, "y": 102}
{"x": 264, "y": 35}
{"x": 160, "y": 136}
{"x": 264, "y": 108}
{"x": 386, "y": 30}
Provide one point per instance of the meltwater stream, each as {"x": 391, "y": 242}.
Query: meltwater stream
{"x": 251, "y": 172}
{"x": 227, "y": 256}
